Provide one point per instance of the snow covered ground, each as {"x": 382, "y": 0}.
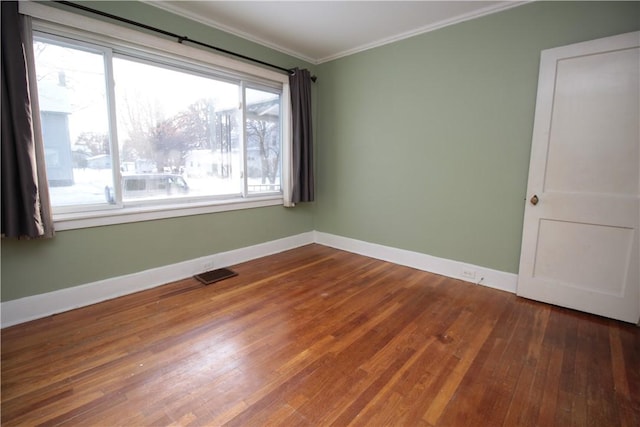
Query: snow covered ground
{"x": 89, "y": 187}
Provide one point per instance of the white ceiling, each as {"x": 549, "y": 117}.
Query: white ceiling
{"x": 319, "y": 31}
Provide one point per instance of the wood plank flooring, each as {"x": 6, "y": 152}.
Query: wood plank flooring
{"x": 317, "y": 337}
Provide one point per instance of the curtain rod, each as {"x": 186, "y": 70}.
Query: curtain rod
{"x": 180, "y": 39}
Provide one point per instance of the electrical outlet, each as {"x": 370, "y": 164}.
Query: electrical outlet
{"x": 208, "y": 265}
{"x": 468, "y": 273}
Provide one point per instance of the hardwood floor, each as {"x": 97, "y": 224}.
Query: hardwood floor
{"x": 317, "y": 336}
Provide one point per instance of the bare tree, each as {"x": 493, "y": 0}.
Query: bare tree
{"x": 195, "y": 124}
{"x": 93, "y": 143}
{"x": 169, "y": 144}
{"x": 263, "y": 134}
{"x": 137, "y": 116}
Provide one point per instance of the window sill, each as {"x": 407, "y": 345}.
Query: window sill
{"x": 71, "y": 221}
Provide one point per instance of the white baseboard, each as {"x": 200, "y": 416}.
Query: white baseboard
{"x": 483, "y": 276}
{"x": 37, "y": 306}
{"x": 42, "y": 305}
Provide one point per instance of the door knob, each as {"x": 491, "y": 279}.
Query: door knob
{"x": 534, "y": 200}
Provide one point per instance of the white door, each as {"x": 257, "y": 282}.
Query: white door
{"x": 582, "y": 217}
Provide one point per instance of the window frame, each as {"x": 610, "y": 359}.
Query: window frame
{"x": 121, "y": 41}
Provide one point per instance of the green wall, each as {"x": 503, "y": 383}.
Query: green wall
{"x": 424, "y": 144}
{"x": 83, "y": 256}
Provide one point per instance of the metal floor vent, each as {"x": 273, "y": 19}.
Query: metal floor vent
{"x": 209, "y": 277}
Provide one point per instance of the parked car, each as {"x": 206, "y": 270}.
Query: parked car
{"x": 137, "y": 186}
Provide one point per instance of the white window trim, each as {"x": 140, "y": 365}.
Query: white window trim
{"x": 75, "y": 24}
{"x": 70, "y": 221}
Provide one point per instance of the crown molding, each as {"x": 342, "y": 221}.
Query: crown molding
{"x": 177, "y": 10}
{"x": 489, "y": 10}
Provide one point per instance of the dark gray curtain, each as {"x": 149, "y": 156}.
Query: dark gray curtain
{"x": 22, "y": 208}
{"x": 303, "y": 185}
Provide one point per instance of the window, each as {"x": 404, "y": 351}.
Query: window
{"x": 129, "y": 129}
{"x": 75, "y": 128}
